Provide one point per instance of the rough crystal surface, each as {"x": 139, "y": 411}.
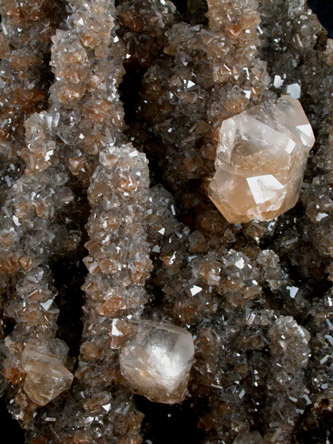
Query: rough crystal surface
{"x": 157, "y": 361}
{"x": 139, "y": 80}
{"x": 260, "y": 161}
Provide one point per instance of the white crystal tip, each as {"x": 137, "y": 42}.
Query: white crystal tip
{"x": 157, "y": 362}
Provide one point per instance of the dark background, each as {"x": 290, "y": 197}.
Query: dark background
{"x": 169, "y": 424}
{"x": 324, "y": 11}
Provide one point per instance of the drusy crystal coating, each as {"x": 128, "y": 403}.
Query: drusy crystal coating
{"x": 111, "y": 114}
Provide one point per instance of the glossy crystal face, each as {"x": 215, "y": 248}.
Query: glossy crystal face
{"x": 157, "y": 361}
{"x": 46, "y": 375}
{"x": 260, "y": 161}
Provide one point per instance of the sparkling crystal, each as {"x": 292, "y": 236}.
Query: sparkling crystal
{"x": 261, "y": 158}
{"x": 249, "y": 293}
{"x": 157, "y": 361}
{"x": 46, "y": 377}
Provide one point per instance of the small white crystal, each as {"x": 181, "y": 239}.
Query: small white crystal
{"x": 293, "y": 291}
{"x": 294, "y": 90}
{"x": 240, "y": 263}
{"x": 46, "y": 305}
{"x": 329, "y": 339}
{"x": 321, "y": 216}
{"x": 278, "y": 82}
{"x": 324, "y": 359}
{"x": 249, "y": 438}
{"x": 195, "y": 290}
{"x": 157, "y": 361}
{"x": 107, "y": 407}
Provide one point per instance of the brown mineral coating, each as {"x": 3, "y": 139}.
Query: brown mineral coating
{"x": 118, "y": 265}
{"x": 27, "y": 27}
{"x": 85, "y": 112}
{"x": 174, "y": 116}
{"x": 34, "y": 206}
{"x": 239, "y": 288}
{"x": 31, "y": 213}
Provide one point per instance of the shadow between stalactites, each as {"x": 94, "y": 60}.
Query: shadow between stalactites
{"x": 69, "y": 275}
{"x": 11, "y": 426}
{"x": 165, "y": 424}
{"x": 192, "y": 11}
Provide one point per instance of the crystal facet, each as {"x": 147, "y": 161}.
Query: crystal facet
{"x": 260, "y": 161}
{"x": 157, "y": 361}
{"x": 46, "y": 377}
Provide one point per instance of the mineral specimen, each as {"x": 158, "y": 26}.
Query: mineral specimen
{"x": 157, "y": 361}
{"x": 111, "y": 122}
{"x": 260, "y": 161}
{"x": 118, "y": 265}
{"x": 25, "y": 40}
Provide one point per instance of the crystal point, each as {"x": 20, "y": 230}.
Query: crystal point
{"x": 157, "y": 362}
{"x": 260, "y": 161}
{"x": 46, "y": 377}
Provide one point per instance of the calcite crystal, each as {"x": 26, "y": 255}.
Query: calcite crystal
{"x": 47, "y": 376}
{"x": 157, "y": 361}
{"x": 260, "y": 161}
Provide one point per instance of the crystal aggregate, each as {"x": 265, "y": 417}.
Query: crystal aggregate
{"x": 109, "y": 156}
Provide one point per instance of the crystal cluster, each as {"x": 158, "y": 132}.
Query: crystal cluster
{"x": 115, "y": 122}
{"x": 27, "y": 28}
{"x": 260, "y": 161}
{"x": 33, "y": 235}
{"x": 85, "y": 93}
{"x": 290, "y": 354}
{"x": 118, "y": 265}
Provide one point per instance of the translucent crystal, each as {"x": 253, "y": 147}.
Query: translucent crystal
{"x": 46, "y": 377}
{"x": 157, "y": 361}
{"x": 249, "y": 438}
{"x": 260, "y": 161}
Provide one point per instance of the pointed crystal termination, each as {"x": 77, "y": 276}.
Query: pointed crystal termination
{"x": 157, "y": 362}
{"x": 46, "y": 377}
{"x": 260, "y": 161}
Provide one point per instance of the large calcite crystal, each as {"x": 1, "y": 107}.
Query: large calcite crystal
{"x": 157, "y": 361}
{"x": 260, "y": 161}
{"x": 46, "y": 375}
